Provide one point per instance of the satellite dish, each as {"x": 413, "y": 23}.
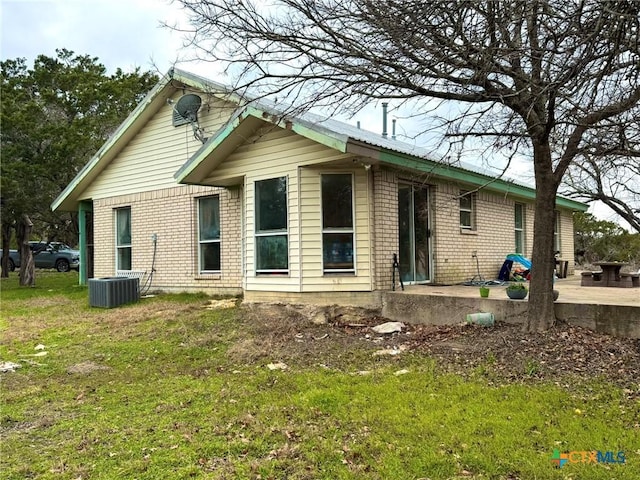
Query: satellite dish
{"x": 185, "y": 111}
{"x": 188, "y": 106}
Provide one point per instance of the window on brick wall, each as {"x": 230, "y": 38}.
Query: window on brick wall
{"x": 209, "y": 234}
{"x": 272, "y": 239}
{"x": 519, "y": 227}
{"x": 123, "y": 238}
{"x": 337, "y": 222}
{"x": 467, "y": 210}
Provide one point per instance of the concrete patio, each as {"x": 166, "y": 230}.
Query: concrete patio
{"x": 611, "y": 310}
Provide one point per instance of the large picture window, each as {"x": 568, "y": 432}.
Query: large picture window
{"x": 519, "y": 227}
{"x": 337, "y": 222}
{"x": 467, "y": 210}
{"x": 272, "y": 241}
{"x": 209, "y": 234}
{"x": 123, "y": 238}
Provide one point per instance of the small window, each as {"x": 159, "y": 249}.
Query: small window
{"x": 272, "y": 240}
{"x": 209, "y": 234}
{"x": 337, "y": 222}
{"x": 123, "y": 238}
{"x": 467, "y": 210}
{"x": 519, "y": 227}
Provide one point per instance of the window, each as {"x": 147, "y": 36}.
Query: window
{"x": 123, "y": 238}
{"x": 272, "y": 245}
{"x": 467, "y": 210}
{"x": 209, "y": 234}
{"x": 337, "y": 222}
{"x": 519, "y": 227}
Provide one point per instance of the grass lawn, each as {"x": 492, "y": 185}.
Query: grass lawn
{"x": 170, "y": 389}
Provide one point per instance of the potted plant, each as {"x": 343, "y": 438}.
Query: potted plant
{"x": 517, "y": 291}
{"x": 484, "y": 292}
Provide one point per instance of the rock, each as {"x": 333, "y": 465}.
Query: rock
{"x": 391, "y": 351}
{"x": 277, "y": 366}
{"x": 388, "y": 327}
{"x": 319, "y": 318}
{"x": 9, "y": 367}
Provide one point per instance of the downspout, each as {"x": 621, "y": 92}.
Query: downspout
{"x": 84, "y": 207}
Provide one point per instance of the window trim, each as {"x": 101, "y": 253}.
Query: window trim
{"x": 472, "y": 211}
{"x": 519, "y": 230}
{"x": 200, "y": 242}
{"x": 272, "y": 232}
{"x": 340, "y": 230}
{"x": 124, "y": 246}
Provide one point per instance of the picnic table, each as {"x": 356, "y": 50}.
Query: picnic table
{"x": 610, "y": 276}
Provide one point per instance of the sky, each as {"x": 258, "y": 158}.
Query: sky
{"x": 128, "y": 33}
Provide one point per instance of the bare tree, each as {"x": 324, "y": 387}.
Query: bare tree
{"x": 538, "y": 78}
{"x": 609, "y": 171}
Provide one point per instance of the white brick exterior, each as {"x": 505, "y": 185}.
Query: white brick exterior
{"x": 171, "y": 214}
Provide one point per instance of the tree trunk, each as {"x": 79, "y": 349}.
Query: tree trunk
{"x": 541, "y": 311}
{"x": 27, "y": 264}
{"x": 6, "y": 241}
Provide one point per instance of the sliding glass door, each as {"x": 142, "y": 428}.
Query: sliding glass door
{"x": 413, "y": 217}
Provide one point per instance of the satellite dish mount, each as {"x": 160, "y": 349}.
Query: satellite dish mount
{"x": 186, "y": 111}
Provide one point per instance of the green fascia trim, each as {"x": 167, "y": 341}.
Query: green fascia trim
{"x": 207, "y": 149}
{"x": 205, "y": 85}
{"x": 334, "y": 141}
{"x": 458, "y": 174}
{"x": 83, "y": 207}
{"x": 113, "y": 140}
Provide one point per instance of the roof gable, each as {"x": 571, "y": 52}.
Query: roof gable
{"x": 250, "y": 116}
{"x": 156, "y": 99}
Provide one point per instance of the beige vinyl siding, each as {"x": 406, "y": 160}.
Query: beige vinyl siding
{"x": 272, "y": 150}
{"x": 272, "y": 282}
{"x": 315, "y": 280}
{"x": 567, "y": 247}
{"x": 150, "y": 160}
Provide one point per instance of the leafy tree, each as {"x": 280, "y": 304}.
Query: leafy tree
{"x": 55, "y": 116}
{"x": 538, "y": 78}
{"x": 600, "y": 240}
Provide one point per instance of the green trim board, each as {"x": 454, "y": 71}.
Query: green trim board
{"x": 339, "y": 136}
{"x": 245, "y": 121}
{"x": 173, "y": 80}
{"x": 451, "y": 172}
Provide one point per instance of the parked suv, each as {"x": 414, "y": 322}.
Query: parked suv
{"x": 49, "y": 255}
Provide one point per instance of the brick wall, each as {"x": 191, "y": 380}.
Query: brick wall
{"x": 171, "y": 214}
{"x": 452, "y": 248}
{"x": 492, "y": 239}
{"x": 385, "y": 226}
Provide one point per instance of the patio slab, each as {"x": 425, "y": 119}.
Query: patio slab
{"x": 611, "y": 310}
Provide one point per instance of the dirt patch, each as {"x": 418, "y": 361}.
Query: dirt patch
{"x": 85, "y": 368}
{"x": 503, "y": 352}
